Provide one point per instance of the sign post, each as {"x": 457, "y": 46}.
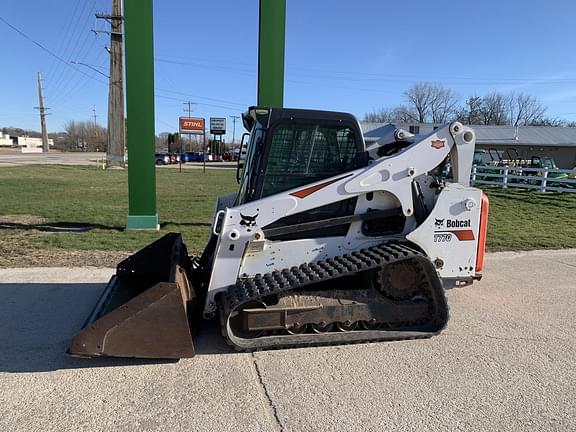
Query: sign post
{"x": 217, "y": 128}
{"x": 192, "y": 125}
{"x": 142, "y": 213}
{"x": 195, "y": 126}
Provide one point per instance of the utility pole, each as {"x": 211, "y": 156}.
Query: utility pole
{"x": 95, "y": 116}
{"x": 115, "y": 153}
{"x": 189, "y": 110}
{"x": 42, "y": 108}
{"x": 234, "y": 118}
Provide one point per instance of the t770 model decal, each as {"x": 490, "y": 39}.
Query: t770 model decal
{"x": 462, "y": 235}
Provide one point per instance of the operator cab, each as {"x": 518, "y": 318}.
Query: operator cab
{"x": 288, "y": 148}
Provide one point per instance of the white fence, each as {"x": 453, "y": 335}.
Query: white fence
{"x": 542, "y": 179}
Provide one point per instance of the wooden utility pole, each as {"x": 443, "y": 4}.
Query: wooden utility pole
{"x": 234, "y": 118}
{"x": 189, "y": 111}
{"x": 42, "y": 108}
{"x": 115, "y": 153}
{"x": 95, "y": 116}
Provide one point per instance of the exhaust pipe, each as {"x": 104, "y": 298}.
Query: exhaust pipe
{"x": 143, "y": 312}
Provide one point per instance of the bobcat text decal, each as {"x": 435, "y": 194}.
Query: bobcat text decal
{"x": 446, "y": 235}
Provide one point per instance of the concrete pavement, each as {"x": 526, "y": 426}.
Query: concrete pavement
{"x": 505, "y": 362}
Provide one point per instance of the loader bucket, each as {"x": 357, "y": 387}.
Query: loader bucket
{"x": 143, "y": 312}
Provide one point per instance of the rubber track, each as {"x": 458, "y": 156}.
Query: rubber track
{"x": 278, "y": 281}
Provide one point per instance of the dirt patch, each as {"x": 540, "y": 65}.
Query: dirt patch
{"x": 23, "y": 219}
{"x": 28, "y": 257}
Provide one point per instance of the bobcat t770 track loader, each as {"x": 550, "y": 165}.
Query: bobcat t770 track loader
{"x": 325, "y": 243}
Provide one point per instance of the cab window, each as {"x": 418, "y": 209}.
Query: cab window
{"x": 304, "y": 153}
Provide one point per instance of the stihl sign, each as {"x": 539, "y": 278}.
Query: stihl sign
{"x": 191, "y": 125}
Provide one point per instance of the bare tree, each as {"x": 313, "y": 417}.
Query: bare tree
{"x": 431, "y": 102}
{"x": 419, "y": 96}
{"x": 443, "y": 104}
{"x": 404, "y": 114}
{"x": 471, "y": 113}
{"x": 398, "y": 114}
{"x": 437, "y": 104}
{"x": 525, "y": 109}
{"x": 495, "y": 109}
{"x": 381, "y": 115}
{"x": 548, "y": 121}
{"x": 84, "y": 136}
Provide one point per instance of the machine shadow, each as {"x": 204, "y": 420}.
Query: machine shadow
{"x": 208, "y": 340}
{"x": 38, "y": 320}
{"x": 59, "y": 227}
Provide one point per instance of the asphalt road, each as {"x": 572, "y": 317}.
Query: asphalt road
{"x": 505, "y": 363}
{"x": 12, "y": 158}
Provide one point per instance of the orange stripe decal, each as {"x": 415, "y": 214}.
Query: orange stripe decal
{"x": 303, "y": 193}
{"x": 482, "y": 232}
{"x": 464, "y": 235}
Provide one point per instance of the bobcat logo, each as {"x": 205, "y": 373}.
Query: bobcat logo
{"x": 439, "y": 223}
{"x": 248, "y": 221}
{"x": 438, "y": 144}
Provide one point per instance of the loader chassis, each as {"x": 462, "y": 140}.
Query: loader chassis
{"x": 324, "y": 245}
{"x": 319, "y": 244}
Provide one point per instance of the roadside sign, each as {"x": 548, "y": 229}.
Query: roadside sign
{"x": 217, "y": 125}
{"x": 192, "y": 125}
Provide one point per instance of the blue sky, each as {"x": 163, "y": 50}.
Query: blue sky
{"x": 341, "y": 55}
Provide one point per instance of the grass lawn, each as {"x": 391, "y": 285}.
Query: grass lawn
{"x": 522, "y": 220}
{"x": 65, "y": 194}
{"x": 33, "y": 195}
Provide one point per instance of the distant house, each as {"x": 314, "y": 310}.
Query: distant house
{"x": 506, "y": 142}
{"x": 26, "y": 141}
{"x": 5, "y": 140}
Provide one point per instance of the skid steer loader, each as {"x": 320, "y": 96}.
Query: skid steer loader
{"x": 325, "y": 243}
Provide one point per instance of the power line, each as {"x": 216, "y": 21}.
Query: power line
{"x": 201, "y": 97}
{"x": 198, "y": 103}
{"x": 61, "y": 98}
{"x": 66, "y": 38}
{"x": 365, "y": 76}
{"x": 63, "y": 84}
{"x": 48, "y": 51}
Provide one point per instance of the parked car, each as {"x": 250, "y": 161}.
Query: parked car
{"x": 162, "y": 159}
{"x": 194, "y": 156}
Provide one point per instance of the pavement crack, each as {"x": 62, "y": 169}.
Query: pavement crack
{"x": 267, "y": 403}
{"x": 511, "y": 339}
{"x": 565, "y": 263}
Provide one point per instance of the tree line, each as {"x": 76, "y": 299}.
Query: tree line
{"x": 434, "y": 103}
{"x": 83, "y": 136}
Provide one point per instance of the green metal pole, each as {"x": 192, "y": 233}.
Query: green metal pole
{"x": 142, "y": 213}
{"x": 271, "y": 44}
